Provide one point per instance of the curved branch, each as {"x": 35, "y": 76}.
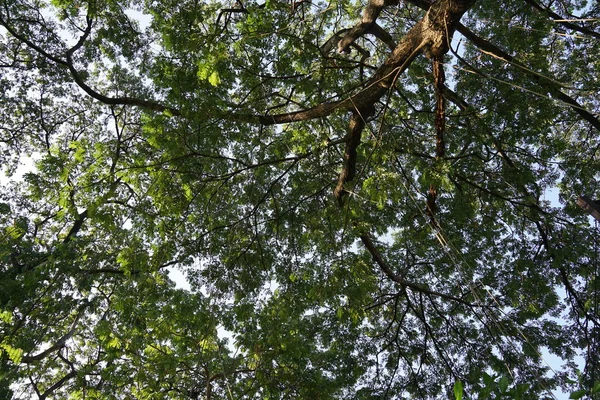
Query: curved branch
{"x": 433, "y": 32}
{"x": 370, "y": 15}
{"x": 29, "y": 43}
{"x": 83, "y": 38}
{"x": 114, "y": 101}
{"x": 68, "y": 63}
{"x": 61, "y": 342}
{"x": 378, "y": 258}
{"x": 355, "y": 128}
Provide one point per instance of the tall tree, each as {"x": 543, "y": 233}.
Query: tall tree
{"x": 359, "y": 194}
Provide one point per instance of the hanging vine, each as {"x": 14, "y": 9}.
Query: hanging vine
{"x": 440, "y": 105}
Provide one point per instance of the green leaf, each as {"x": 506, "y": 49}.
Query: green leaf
{"x": 503, "y": 384}
{"x": 520, "y": 390}
{"x": 6, "y": 317}
{"x": 214, "y": 78}
{"x": 14, "y": 354}
{"x": 488, "y": 379}
{"x": 578, "y": 394}
{"x": 458, "y": 390}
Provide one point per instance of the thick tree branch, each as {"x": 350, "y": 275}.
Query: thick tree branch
{"x": 433, "y": 33}
{"x": 83, "y": 38}
{"x": 57, "y": 385}
{"x": 551, "y": 86}
{"x": 333, "y": 41}
{"x": 113, "y": 101}
{"x": 382, "y": 35}
{"x": 76, "y": 226}
{"x": 356, "y": 126}
{"x": 4, "y": 22}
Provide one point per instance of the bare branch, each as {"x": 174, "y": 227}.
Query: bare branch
{"x": 57, "y": 385}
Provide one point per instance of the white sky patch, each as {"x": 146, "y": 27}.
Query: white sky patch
{"x": 26, "y": 165}
{"x": 142, "y": 19}
{"x": 177, "y": 276}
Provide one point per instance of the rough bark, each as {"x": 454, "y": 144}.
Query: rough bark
{"x": 552, "y": 87}
{"x": 370, "y": 15}
{"x": 433, "y": 35}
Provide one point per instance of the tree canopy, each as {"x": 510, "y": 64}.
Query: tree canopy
{"x": 369, "y": 199}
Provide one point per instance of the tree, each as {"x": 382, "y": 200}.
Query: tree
{"x": 359, "y": 194}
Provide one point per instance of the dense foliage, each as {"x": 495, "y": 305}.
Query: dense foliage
{"x": 368, "y": 199}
